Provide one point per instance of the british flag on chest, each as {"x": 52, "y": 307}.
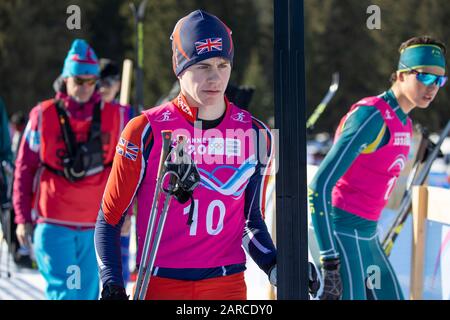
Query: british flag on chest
{"x": 208, "y": 45}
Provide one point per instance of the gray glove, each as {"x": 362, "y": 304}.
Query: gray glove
{"x": 273, "y": 276}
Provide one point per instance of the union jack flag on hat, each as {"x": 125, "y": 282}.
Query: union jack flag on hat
{"x": 208, "y": 45}
{"x": 199, "y": 36}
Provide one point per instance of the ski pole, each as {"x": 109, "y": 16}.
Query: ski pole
{"x": 166, "y": 139}
{"x": 174, "y": 179}
{"x": 8, "y": 169}
{"x": 405, "y": 206}
{"x": 8, "y": 242}
{"x": 6, "y": 238}
{"x": 172, "y": 188}
{"x": 420, "y": 157}
{"x": 324, "y": 103}
{"x": 1, "y": 247}
{"x": 155, "y": 246}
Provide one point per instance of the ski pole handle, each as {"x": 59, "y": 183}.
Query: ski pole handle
{"x": 166, "y": 142}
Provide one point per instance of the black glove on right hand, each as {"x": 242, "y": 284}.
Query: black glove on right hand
{"x": 332, "y": 280}
{"x": 113, "y": 292}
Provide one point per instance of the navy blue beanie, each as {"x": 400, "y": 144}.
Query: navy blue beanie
{"x": 200, "y": 36}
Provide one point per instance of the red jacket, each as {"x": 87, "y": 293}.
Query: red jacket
{"x": 50, "y": 197}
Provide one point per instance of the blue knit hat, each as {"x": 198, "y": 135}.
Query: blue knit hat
{"x": 200, "y": 36}
{"x": 81, "y": 60}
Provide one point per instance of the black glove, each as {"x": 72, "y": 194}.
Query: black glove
{"x": 332, "y": 280}
{"x": 113, "y": 292}
{"x": 313, "y": 280}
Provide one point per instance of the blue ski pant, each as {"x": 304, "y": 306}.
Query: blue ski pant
{"x": 67, "y": 261}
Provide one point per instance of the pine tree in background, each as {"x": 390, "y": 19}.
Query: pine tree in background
{"x": 32, "y": 50}
{"x": 34, "y": 41}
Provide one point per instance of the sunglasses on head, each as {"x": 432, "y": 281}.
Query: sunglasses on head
{"x": 80, "y": 81}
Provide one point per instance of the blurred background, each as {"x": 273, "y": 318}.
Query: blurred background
{"x": 34, "y": 40}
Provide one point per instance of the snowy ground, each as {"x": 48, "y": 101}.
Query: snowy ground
{"x": 26, "y": 284}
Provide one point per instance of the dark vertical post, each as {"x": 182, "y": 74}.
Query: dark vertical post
{"x": 139, "y": 13}
{"x": 290, "y": 119}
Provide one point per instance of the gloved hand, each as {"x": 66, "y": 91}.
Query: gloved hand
{"x": 332, "y": 280}
{"x": 273, "y": 275}
{"x": 313, "y": 280}
{"x": 113, "y": 292}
